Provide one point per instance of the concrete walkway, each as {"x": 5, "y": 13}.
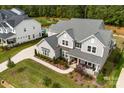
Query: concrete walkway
{"x": 120, "y": 82}
{"x": 28, "y": 53}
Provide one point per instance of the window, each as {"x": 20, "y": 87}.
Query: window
{"x": 89, "y": 48}
{"x": 33, "y": 35}
{"x": 78, "y": 45}
{"x": 94, "y": 49}
{"x": 64, "y": 54}
{"x": 45, "y": 51}
{"x": 28, "y": 36}
{"x": 24, "y": 29}
{"x": 39, "y": 34}
{"x": 89, "y": 64}
{"x": 63, "y": 42}
{"x": 66, "y": 43}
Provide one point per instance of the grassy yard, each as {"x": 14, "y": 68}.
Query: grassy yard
{"x": 119, "y": 41}
{"x": 30, "y": 74}
{"x": 46, "y": 21}
{"x": 112, "y": 68}
{"x": 4, "y": 55}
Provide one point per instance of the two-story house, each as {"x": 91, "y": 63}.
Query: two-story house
{"x": 81, "y": 41}
{"x": 16, "y": 27}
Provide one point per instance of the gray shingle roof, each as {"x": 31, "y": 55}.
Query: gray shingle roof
{"x": 82, "y": 28}
{"x": 53, "y": 41}
{"x": 6, "y": 35}
{"x": 89, "y": 57}
{"x": 15, "y": 20}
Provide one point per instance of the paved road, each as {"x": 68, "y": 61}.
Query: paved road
{"x": 120, "y": 82}
{"x": 28, "y": 53}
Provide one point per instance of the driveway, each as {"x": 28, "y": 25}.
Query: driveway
{"x": 28, "y": 53}
{"x": 120, "y": 82}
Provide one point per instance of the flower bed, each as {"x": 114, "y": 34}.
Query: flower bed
{"x": 59, "y": 62}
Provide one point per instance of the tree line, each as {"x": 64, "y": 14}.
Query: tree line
{"x": 113, "y": 15}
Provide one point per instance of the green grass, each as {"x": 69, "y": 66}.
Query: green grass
{"x": 1, "y": 86}
{"x": 115, "y": 73}
{"x": 4, "y": 55}
{"x": 112, "y": 70}
{"x": 28, "y": 73}
{"x": 46, "y": 21}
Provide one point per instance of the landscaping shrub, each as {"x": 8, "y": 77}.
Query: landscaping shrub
{"x": 47, "y": 81}
{"x": 100, "y": 78}
{"x": 10, "y": 63}
{"x": 35, "y": 51}
{"x": 56, "y": 85}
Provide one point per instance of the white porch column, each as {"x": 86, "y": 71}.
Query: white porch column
{"x": 97, "y": 68}
{"x": 77, "y": 61}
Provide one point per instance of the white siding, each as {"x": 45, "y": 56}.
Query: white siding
{"x": 47, "y": 46}
{"x": 65, "y": 36}
{"x": 95, "y": 43}
{"x": 31, "y": 26}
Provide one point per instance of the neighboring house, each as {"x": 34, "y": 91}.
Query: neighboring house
{"x": 16, "y": 27}
{"x": 81, "y": 41}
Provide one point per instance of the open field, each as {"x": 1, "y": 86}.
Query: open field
{"x": 47, "y": 21}
{"x": 5, "y": 54}
{"x": 28, "y": 73}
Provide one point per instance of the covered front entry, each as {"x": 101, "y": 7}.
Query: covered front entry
{"x": 8, "y": 42}
{"x": 86, "y": 66}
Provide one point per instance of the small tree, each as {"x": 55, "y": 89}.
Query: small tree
{"x": 56, "y": 85}
{"x": 100, "y": 78}
{"x": 10, "y": 63}
{"x": 47, "y": 81}
{"x": 35, "y": 51}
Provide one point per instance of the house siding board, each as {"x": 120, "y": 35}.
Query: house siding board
{"x": 28, "y": 24}
{"x": 97, "y": 44}
{"x": 46, "y": 45}
{"x": 65, "y": 36}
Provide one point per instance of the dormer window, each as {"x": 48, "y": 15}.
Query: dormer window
{"x": 64, "y": 42}
{"x": 89, "y": 48}
{"x": 94, "y": 49}
{"x": 78, "y": 45}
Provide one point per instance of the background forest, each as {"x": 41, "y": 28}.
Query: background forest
{"x": 112, "y": 15}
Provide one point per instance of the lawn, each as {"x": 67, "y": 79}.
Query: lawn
{"x": 112, "y": 69}
{"x": 28, "y": 73}
{"x": 46, "y": 21}
{"x": 119, "y": 41}
{"x": 4, "y": 55}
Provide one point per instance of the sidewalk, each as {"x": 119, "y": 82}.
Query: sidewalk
{"x": 28, "y": 53}
{"x": 120, "y": 82}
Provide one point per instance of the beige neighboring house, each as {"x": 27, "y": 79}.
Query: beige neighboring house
{"x": 120, "y": 82}
{"x": 83, "y": 42}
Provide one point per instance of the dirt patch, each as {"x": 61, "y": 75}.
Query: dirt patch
{"x": 115, "y": 29}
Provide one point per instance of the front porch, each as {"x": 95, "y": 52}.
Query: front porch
{"x": 83, "y": 65}
{"x": 7, "y": 42}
